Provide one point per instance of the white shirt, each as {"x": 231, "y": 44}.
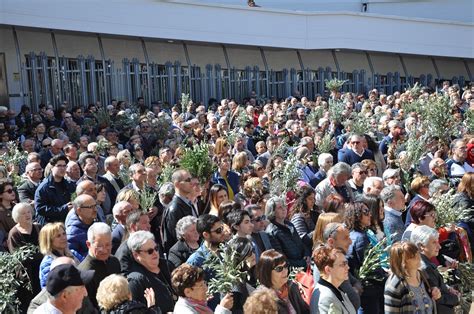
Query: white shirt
{"x": 47, "y": 308}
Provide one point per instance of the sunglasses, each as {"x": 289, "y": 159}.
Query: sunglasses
{"x": 355, "y": 142}
{"x": 258, "y": 219}
{"x": 280, "y": 268}
{"x": 187, "y": 180}
{"x": 150, "y": 251}
{"x": 218, "y": 230}
{"x": 8, "y": 191}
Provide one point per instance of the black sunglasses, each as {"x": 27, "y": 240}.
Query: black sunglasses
{"x": 279, "y": 269}
{"x": 218, "y": 230}
{"x": 150, "y": 251}
{"x": 258, "y": 219}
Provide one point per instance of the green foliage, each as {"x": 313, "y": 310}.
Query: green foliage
{"x": 13, "y": 156}
{"x": 462, "y": 279}
{"x": 102, "y": 117}
{"x": 166, "y": 174}
{"x": 197, "y": 161}
{"x": 315, "y": 114}
{"x": 228, "y": 272}
{"x": 336, "y": 110}
{"x": 334, "y": 84}
{"x": 184, "y": 102}
{"x": 126, "y": 119}
{"x": 124, "y": 175}
{"x": 147, "y": 199}
{"x": 242, "y": 117}
{"x": 446, "y": 211}
{"x": 358, "y": 124}
{"x": 284, "y": 179}
{"x": 325, "y": 145}
{"x": 374, "y": 259}
{"x": 102, "y": 146}
{"x": 469, "y": 121}
{"x": 13, "y": 275}
{"x": 437, "y": 119}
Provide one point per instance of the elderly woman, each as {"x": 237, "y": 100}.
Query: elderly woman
{"x": 25, "y": 231}
{"x": 191, "y": 288}
{"x": 272, "y": 273}
{"x": 53, "y": 244}
{"x": 149, "y": 271}
{"x": 426, "y": 239}
{"x": 188, "y": 241}
{"x": 406, "y": 289}
{"x": 114, "y": 296}
{"x": 283, "y": 234}
{"x": 334, "y": 270}
{"x": 422, "y": 214}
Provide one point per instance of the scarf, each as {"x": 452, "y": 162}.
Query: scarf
{"x": 199, "y": 306}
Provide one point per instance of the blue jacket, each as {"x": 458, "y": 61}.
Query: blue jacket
{"x": 232, "y": 177}
{"x": 51, "y": 200}
{"x": 393, "y": 226}
{"x": 356, "y": 252}
{"x": 46, "y": 265}
{"x": 350, "y": 157}
{"x": 76, "y": 232}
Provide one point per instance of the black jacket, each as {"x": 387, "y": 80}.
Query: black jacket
{"x": 177, "y": 210}
{"x": 26, "y": 191}
{"x": 140, "y": 279}
{"x": 102, "y": 270}
{"x": 179, "y": 253}
{"x": 133, "y": 307}
{"x": 286, "y": 240}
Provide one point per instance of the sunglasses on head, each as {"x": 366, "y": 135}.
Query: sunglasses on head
{"x": 258, "y": 219}
{"x": 150, "y": 251}
{"x": 280, "y": 268}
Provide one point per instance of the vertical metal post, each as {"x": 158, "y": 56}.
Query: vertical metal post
{"x": 34, "y": 80}
{"x": 20, "y": 69}
{"x": 93, "y": 85}
{"x": 267, "y": 73}
{"x": 436, "y": 68}
{"x": 148, "y": 80}
{"x": 47, "y": 87}
{"x": 136, "y": 79}
{"x": 188, "y": 61}
{"x": 82, "y": 74}
{"x": 104, "y": 71}
{"x": 336, "y": 62}
{"x": 58, "y": 99}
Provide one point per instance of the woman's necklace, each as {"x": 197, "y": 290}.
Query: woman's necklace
{"x": 417, "y": 293}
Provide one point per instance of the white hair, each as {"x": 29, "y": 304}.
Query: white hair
{"x": 117, "y": 209}
{"x": 17, "y": 208}
{"x": 97, "y": 228}
{"x": 421, "y": 235}
{"x": 369, "y": 182}
{"x": 339, "y": 169}
{"x": 138, "y": 238}
{"x": 323, "y": 157}
{"x": 183, "y": 224}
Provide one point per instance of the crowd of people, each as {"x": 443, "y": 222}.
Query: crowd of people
{"x": 79, "y": 196}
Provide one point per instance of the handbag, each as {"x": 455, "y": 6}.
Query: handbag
{"x": 305, "y": 282}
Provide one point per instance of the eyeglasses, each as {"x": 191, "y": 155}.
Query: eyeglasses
{"x": 36, "y": 169}
{"x": 90, "y": 206}
{"x": 363, "y": 172}
{"x": 259, "y": 168}
{"x": 432, "y": 214}
{"x": 150, "y": 251}
{"x": 355, "y": 142}
{"x": 8, "y": 191}
{"x": 280, "y": 268}
{"x": 60, "y": 166}
{"x": 218, "y": 230}
{"x": 187, "y": 180}
{"x": 366, "y": 211}
{"x": 47, "y": 145}
{"x": 258, "y": 219}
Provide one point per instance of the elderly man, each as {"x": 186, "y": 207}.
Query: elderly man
{"x": 66, "y": 288}
{"x": 136, "y": 221}
{"x": 325, "y": 162}
{"x": 457, "y": 165}
{"x": 73, "y": 171}
{"x": 373, "y": 186}
{"x": 26, "y": 191}
{"x": 78, "y": 222}
{"x": 120, "y": 212}
{"x": 359, "y": 174}
{"x": 394, "y": 205}
{"x": 99, "y": 258}
{"x": 335, "y": 183}
{"x": 112, "y": 168}
{"x": 357, "y": 152}
{"x": 53, "y": 195}
{"x": 88, "y": 188}
{"x": 55, "y": 149}
{"x": 181, "y": 205}
{"x": 396, "y": 129}
{"x": 438, "y": 169}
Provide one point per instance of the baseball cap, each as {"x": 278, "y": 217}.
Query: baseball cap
{"x": 66, "y": 275}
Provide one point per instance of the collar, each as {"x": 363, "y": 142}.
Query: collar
{"x": 135, "y": 187}
{"x": 333, "y": 289}
{"x": 50, "y": 308}
{"x": 360, "y": 155}
{"x": 393, "y": 211}
{"x": 184, "y": 199}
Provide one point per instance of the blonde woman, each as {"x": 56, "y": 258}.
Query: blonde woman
{"x": 53, "y": 244}
{"x": 114, "y": 296}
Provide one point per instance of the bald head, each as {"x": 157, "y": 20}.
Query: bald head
{"x": 62, "y": 260}
{"x": 86, "y": 187}
{"x": 121, "y": 211}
